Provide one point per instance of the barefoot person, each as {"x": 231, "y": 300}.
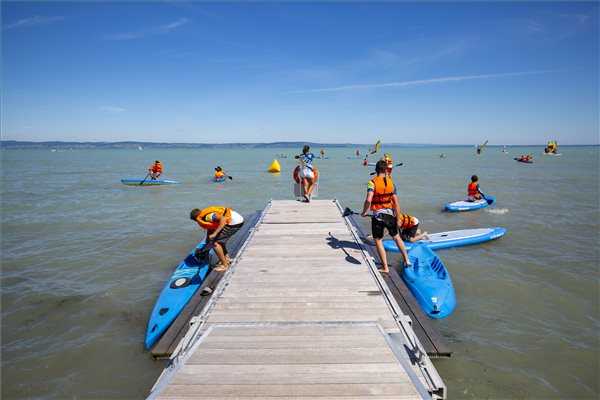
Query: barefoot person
{"x": 409, "y": 229}
{"x": 383, "y": 202}
{"x": 307, "y": 174}
{"x": 221, "y": 223}
{"x": 155, "y": 170}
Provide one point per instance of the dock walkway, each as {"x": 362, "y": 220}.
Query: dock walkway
{"x": 302, "y": 313}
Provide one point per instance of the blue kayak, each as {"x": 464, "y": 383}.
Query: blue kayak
{"x": 430, "y": 283}
{"x": 464, "y": 205}
{"x": 446, "y": 240}
{"x": 147, "y": 182}
{"x": 221, "y": 179}
{"x": 181, "y": 286}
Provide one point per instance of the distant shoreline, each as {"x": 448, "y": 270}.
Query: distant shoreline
{"x": 17, "y": 144}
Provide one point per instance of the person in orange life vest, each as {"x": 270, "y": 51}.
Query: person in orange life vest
{"x": 473, "y": 193}
{"x": 155, "y": 170}
{"x": 409, "y": 229}
{"x": 383, "y": 202}
{"x": 219, "y": 174}
{"x": 221, "y": 223}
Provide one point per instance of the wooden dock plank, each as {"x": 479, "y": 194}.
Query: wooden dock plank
{"x": 299, "y": 315}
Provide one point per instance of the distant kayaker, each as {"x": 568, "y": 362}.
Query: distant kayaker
{"x": 357, "y": 153}
{"x": 219, "y": 174}
{"x": 322, "y": 153}
{"x": 409, "y": 229}
{"x": 155, "y": 170}
{"x": 307, "y": 174}
{"x": 383, "y": 202}
{"x": 221, "y": 223}
{"x": 473, "y": 193}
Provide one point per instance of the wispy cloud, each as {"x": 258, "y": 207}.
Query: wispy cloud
{"x": 112, "y": 109}
{"x": 33, "y": 21}
{"x": 159, "y": 30}
{"x": 419, "y": 82}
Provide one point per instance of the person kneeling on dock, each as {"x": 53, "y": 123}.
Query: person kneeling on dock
{"x": 221, "y": 223}
{"x": 383, "y": 202}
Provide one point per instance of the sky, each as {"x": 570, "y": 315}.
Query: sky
{"x": 175, "y": 71}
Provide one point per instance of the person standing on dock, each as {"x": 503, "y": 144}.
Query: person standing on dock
{"x": 221, "y": 223}
{"x": 383, "y": 202}
{"x": 307, "y": 174}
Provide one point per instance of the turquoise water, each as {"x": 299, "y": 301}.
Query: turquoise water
{"x": 84, "y": 258}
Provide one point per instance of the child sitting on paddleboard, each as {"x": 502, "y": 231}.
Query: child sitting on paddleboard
{"x": 473, "y": 193}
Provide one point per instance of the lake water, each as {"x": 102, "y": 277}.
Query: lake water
{"x": 84, "y": 258}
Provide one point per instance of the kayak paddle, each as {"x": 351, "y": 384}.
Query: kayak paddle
{"x": 348, "y": 212}
{"x": 144, "y": 180}
{"x": 489, "y": 201}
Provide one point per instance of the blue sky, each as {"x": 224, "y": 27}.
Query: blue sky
{"x": 513, "y": 73}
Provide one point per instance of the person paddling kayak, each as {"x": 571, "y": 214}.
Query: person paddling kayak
{"x": 307, "y": 174}
{"x": 383, "y": 202}
{"x": 219, "y": 174}
{"x": 220, "y": 223}
{"x": 155, "y": 170}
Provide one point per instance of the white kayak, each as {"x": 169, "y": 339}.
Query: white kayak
{"x": 445, "y": 240}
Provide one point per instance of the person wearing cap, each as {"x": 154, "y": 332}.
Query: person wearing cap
{"x": 384, "y": 205}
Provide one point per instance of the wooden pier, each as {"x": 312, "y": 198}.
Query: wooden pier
{"x": 302, "y": 313}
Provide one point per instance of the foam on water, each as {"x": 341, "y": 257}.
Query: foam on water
{"x": 84, "y": 258}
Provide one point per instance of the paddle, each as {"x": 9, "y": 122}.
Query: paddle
{"x": 348, "y": 212}
{"x": 489, "y": 201}
{"x": 144, "y": 180}
{"x": 397, "y": 165}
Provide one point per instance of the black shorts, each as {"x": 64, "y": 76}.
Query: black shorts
{"x": 384, "y": 222}
{"x": 407, "y": 234}
{"x": 227, "y": 232}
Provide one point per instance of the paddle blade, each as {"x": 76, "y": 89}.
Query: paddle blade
{"x": 347, "y": 212}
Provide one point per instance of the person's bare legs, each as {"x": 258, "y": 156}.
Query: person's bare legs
{"x": 222, "y": 259}
{"x": 381, "y": 252}
{"x": 419, "y": 236}
{"x": 402, "y": 249}
{"x": 311, "y": 186}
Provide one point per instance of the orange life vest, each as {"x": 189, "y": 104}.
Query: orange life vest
{"x": 204, "y": 219}
{"x": 407, "y": 221}
{"x": 472, "y": 189}
{"x": 157, "y": 168}
{"x": 383, "y": 193}
{"x": 219, "y": 174}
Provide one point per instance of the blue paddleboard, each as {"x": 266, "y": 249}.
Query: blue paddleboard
{"x": 430, "y": 283}
{"x": 147, "y": 182}
{"x": 181, "y": 286}
{"x": 464, "y": 205}
{"x": 446, "y": 240}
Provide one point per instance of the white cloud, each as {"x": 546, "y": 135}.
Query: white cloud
{"x": 112, "y": 109}
{"x": 33, "y": 21}
{"x": 149, "y": 32}
{"x": 419, "y": 82}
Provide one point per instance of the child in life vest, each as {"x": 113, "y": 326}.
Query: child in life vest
{"x": 473, "y": 193}
{"x": 409, "y": 229}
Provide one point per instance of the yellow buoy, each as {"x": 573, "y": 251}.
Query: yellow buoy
{"x": 274, "y": 167}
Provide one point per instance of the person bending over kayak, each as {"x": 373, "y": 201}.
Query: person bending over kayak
{"x": 307, "y": 174}
{"x": 219, "y": 174}
{"x": 383, "y": 202}
{"x": 155, "y": 170}
{"x": 221, "y": 223}
{"x": 409, "y": 229}
{"x": 473, "y": 193}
